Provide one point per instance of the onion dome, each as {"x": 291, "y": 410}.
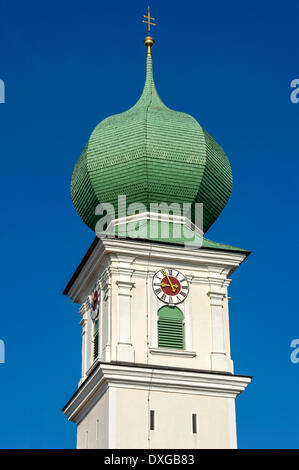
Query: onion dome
{"x": 151, "y": 154}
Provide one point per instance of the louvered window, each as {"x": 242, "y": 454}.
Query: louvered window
{"x": 95, "y": 339}
{"x": 170, "y": 328}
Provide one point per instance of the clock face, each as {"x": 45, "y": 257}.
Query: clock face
{"x": 94, "y": 305}
{"x": 170, "y": 286}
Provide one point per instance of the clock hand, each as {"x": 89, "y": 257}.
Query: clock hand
{"x": 163, "y": 284}
{"x": 171, "y": 285}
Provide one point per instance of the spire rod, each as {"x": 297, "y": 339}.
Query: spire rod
{"x": 149, "y": 41}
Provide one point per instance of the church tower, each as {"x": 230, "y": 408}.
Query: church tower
{"x": 153, "y": 291}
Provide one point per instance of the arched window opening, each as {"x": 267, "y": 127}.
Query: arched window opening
{"x": 170, "y": 328}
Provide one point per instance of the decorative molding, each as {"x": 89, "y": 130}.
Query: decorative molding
{"x": 83, "y": 323}
{"x": 125, "y": 287}
{"x": 105, "y": 251}
{"x": 172, "y": 352}
{"x": 216, "y": 298}
{"x": 92, "y": 367}
{"x": 108, "y": 375}
{"x": 83, "y": 310}
{"x": 106, "y": 290}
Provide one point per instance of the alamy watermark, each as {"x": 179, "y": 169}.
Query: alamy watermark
{"x": 174, "y": 221}
{"x": 2, "y": 91}
{"x": 294, "y": 96}
{"x": 2, "y": 351}
{"x": 295, "y": 353}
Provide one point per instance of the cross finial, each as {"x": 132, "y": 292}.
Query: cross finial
{"x": 149, "y": 41}
{"x": 149, "y": 23}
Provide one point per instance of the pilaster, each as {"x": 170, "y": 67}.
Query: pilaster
{"x": 106, "y": 319}
{"x": 83, "y": 311}
{"x": 124, "y": 348}
{"x": 219, "y": 358}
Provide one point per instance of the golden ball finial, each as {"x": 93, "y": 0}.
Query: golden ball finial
{"x": 149, "y": 42}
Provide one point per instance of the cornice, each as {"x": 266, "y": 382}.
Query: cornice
{"x": 193, "y": 382}
{"x": 185, "y": 258}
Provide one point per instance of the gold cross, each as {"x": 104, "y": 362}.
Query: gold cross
{"x": 149, "y": 23}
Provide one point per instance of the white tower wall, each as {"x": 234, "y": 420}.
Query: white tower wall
{"x": 131, "y": 375}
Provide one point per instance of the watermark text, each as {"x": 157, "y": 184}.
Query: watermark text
{"x": 2, "y": 91}
{"x": 2, "y": 351}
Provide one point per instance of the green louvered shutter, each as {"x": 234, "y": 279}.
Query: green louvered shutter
{"x": 96, "y": 340}
{"x": 170, "y": 328}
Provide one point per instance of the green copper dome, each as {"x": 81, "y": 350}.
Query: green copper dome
{"x": 151, "y": 154}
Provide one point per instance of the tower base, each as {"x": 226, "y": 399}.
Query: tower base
{"x": 112, "y": 407}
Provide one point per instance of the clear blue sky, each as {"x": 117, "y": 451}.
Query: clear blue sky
{"x": 67, "y": 65}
